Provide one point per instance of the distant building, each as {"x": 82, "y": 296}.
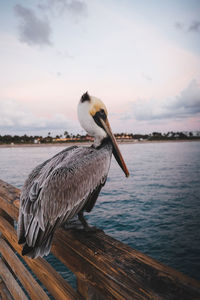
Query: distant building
{"x": 36, "y": 141}
{"x": 62, "y": 139}
{"x": 123, "y": 136}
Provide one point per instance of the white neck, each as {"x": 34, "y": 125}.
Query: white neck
{"x": 97, "y": 141}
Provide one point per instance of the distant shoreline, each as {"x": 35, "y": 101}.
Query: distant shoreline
{"x": 90, "y": 143}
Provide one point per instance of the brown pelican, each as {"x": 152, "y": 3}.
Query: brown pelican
{"x": 68, "y": 183}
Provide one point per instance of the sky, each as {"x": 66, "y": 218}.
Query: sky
{"x": 141, "y": 58}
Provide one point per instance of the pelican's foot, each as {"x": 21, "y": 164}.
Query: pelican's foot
{"x": 92, "y": 229}
{"x": 86, "y": 227}
{"x": 73, "y": 224}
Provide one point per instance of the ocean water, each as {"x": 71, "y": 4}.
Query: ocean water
{"x": 156, "y": 210}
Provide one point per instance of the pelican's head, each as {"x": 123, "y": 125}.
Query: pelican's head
{"x": 92, "y": 114}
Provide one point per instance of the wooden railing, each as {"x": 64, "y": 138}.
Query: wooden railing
{"x": 104, "y": 267}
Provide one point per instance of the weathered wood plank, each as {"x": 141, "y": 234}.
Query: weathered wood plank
{"x": 27, "y": 280}
{"x": 54, "y": 283}
{"x": 9, "y": 199}
{"x": 9, "y": 192}
{"x": 82, "y": 262}
{"x": 4, "y": 292}
{"x": 121, "y": 272}
{"x": 116, "y": 270}
{"x": 88, "y": 291}
{"x": 11, "y": 283}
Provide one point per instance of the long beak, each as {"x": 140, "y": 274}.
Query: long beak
{"x": 116, "y": 152}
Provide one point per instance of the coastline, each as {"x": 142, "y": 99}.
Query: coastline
{"x": 90, "y": 143}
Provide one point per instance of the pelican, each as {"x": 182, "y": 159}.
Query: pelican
{"x": 69, "y": 183}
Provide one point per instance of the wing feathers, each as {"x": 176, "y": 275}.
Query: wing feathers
{"x": 57, "y": 190}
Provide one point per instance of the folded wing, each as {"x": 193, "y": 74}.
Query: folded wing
{"x": 56, "y": 191}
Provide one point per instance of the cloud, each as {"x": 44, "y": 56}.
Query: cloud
{"x": 33, "y": 30}
{"x": 184, "y": 105}
{"x": 195, "y": 26}
{"x": 76, "y": 7}
{"x": 188, "y": 102}
{"x": 179, "y": 25}
{"x": 16, "y": 117}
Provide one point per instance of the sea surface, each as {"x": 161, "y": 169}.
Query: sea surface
{"x": 156, "y": 210}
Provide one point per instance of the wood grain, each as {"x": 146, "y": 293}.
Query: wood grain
{"x": 4, "y": 292}
{"x": 118, "y": 271}
{"x": 54, "y": 283}
{"x": 105, "y": 268}
{"x": 27, "y": 280}
{"x": 11, "y": 283}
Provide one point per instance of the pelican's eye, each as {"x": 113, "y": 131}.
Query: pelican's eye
{"x": 100, "y": 115}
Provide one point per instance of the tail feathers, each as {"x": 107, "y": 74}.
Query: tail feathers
{"x": 37, "y": 242}
{"x": 38, "y": 250}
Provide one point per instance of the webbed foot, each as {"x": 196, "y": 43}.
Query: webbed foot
{"x": 73, "y": 224}
{"x": 86, "y": 226}
{"x": 92, "y": 229}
